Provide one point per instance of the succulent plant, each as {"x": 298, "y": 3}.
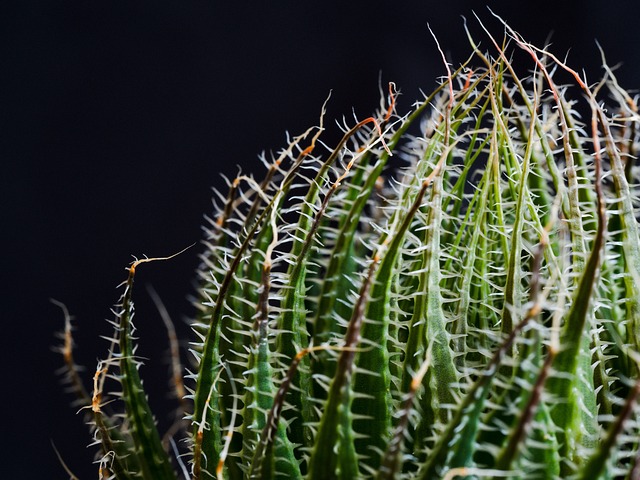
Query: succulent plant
{"x": 471, "y": 313}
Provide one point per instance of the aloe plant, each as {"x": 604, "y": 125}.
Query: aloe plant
{"x": 472, "y": 314}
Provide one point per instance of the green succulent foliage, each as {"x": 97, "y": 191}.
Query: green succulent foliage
{"x": 472, "y": 314}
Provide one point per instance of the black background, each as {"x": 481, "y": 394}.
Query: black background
{"x": 116, "y": 118}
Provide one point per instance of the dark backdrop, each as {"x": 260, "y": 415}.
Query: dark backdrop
{"x": 116, "y": 118}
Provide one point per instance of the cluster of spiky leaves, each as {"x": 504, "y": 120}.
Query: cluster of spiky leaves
{"x": 476, "y": 314}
